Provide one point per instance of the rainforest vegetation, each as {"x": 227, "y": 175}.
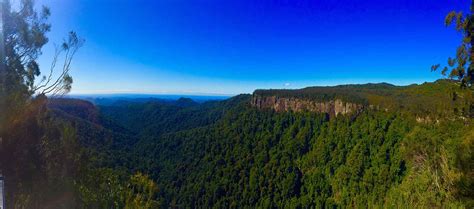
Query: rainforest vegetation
{"x": 409, "y": 147}
{"x": 229, "y": 154}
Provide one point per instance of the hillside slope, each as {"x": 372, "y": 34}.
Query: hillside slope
{"x": 405, "y": 147}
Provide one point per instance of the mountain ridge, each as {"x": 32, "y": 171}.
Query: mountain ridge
{"x": 440, "y": 98}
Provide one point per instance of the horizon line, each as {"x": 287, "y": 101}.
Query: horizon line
{"x": 105, "y": 92}
{"x": 149, "y": 94}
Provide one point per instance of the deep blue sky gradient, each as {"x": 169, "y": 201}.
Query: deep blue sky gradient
{"x": 236, "y": 46}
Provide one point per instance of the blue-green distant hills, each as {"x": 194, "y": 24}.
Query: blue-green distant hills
{"x": 109, "y": 99}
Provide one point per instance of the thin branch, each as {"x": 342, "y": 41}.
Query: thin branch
{"x": 61, "y": 84}
{"x": 57, "y": 82}
{"x": 53, "y": 65}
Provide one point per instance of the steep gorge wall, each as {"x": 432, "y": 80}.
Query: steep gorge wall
{"x": 332, "y": 107}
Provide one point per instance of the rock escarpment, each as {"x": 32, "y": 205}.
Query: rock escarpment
{"x": 281, "y": 104}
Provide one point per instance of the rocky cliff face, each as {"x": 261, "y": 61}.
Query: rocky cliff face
{"x": 332, "y": 107}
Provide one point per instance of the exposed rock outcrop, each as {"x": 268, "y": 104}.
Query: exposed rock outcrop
{"x": 332, "y": 107}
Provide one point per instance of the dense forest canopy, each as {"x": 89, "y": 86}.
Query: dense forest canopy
{"x": 230, "y": 154}
{"x": 409, "y": 147}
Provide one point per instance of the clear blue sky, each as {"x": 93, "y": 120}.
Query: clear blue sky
{"x": 236, "y": 46}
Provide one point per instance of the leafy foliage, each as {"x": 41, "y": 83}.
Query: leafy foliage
{"x": 460, "y": 67}
{"x": 260, "y": 158}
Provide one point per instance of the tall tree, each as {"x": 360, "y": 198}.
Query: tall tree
{"x": 23, "y": 36}
{"x": 460, "y": 67}
{"x": 24, "y": 127}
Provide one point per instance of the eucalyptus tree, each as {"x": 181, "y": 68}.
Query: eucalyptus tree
{"x": 461, "y": 67}
{"x": 23, "y": 34}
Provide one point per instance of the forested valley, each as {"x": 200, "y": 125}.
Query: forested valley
{"x": 347, "y": 146}
{"x": 229, "y": 154}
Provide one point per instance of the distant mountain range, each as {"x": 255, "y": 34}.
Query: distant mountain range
{"x": 107, "y": 99}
